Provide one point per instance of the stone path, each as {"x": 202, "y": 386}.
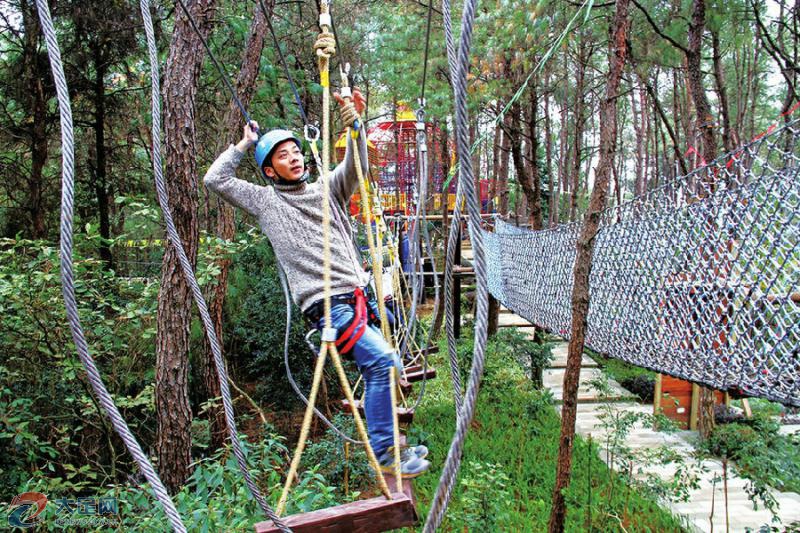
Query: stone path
{"x": 697, "y": 510}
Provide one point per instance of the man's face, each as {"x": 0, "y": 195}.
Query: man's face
{"x": 287, "y": 162}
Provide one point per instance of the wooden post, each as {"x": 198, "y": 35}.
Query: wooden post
{"x": 657, "y": 396}
{"x": 494, "y": 316}
{"x": 695, "y": 410}
{"x": 657, "y": 400}
{"x": 746, "y": 406}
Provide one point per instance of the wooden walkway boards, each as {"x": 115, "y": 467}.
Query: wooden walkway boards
{"x": 697, "y": 510}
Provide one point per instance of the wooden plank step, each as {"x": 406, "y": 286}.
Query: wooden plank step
{"x": 405, "y": 415}
{"x": 427, "y": 351}
{"x": 405, "y": 386}
{"x": 417, "y": 374}
{"x": 408, "y": 487}
{"x": 364, "y": 516}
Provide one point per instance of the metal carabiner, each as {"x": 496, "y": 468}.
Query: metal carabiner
{"x": 307, "y": 129}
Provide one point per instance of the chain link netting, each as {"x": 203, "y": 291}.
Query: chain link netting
{"x": 697, "y": 279}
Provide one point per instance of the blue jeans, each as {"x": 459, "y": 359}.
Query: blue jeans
{"x": 374, "y": 357}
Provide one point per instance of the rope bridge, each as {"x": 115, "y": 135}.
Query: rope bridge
{"x": 697, "y": 279}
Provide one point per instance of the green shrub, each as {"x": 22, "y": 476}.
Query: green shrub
{"x": 256, "y": 319}
{"x": 732, "y": 440}
{"x": 759, "y": 452}
{"x": 328, "y": 455}
{"x": 485, "y": 497}
{"x": 46, "y": 392}
{"x": 214, "y": 498}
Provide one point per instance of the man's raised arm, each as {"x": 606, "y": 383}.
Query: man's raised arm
{"x": 344, "y": 179}
{"x": 221, "y": 176}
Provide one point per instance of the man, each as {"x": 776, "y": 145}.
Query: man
{"x": 290, "y": 214}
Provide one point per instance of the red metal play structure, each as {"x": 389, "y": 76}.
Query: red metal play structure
{"x": 393, "y": 164}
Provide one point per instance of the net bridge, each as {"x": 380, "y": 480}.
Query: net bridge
{"x": 697, "y": 279}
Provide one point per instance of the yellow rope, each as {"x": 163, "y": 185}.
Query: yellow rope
{"x": 328, "y": 346}
{"x": 307, "y": 417}
{"x": 362, "y": 430}
{"x": 377, "y": 260}
{"x": 393, "y": 387}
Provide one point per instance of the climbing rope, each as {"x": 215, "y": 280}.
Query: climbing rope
{"x": 296, "y": 94}
{"x": 188, "y": 272}
{"x": 467, "y": 411}
{"x": 67, "y": 273}
{"x": 375, "y": 250}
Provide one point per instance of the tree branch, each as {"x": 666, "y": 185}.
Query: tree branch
{"x": 655, "y": 27}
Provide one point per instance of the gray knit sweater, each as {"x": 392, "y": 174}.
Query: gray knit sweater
{"x": 291, "y": 217}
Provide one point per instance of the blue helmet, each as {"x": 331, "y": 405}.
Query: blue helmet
{"x": 270, "y": 140}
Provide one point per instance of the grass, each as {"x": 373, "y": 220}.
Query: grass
{"x": 620, "y": 370}
{"x": 508, "y": 468}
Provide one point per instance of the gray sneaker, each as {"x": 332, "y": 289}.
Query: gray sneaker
{"x": 411, "y": 465}
{"x": 420, "y": 451}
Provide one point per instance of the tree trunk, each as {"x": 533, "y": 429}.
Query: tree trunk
{"x": 100, "y": 165}
{"x": 552, "y": 216}
{"x": 37, "y": 101}
{"x": 704, "y": 119}
{"x": 524, "y": 178}
{"x": 535, "y": 200}
{"x": 705, "y": 125}
{"x": 498, "y": 133}
{"x": 563, "y": 159}
{"x": 232, "y": 124}
{"x": 174, "y": 416}
{"x": 637, "y": 128}
{"x": 577, "y": 147}
{"x": 729, "y": 140}
{"x": 583, "y": 262}
{"x": 502, "y": 172}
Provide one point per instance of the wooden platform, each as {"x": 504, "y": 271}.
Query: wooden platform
{"x": 364, "y": 516}
{"x": 415, "y": 373}
{"x": 405, "y": 415}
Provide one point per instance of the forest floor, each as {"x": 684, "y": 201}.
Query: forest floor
{"x": 509, "y": 458}
{"x": 705, "y": 506}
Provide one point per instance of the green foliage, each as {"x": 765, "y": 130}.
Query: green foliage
{"x": 485, "y": 497}
{"x": 46, "y": 396}
{"x": 328, "y": 456}
{"x": 256, "y": 319}
{"x": 530, "y": 354}
{"x": 214, "y": 498}
{"x": 759, "y": 453}
{"x": 640, "y": 467}
{"x": 20, "y": 448}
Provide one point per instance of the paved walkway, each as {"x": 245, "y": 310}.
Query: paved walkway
{"x": 697, "y": 509}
